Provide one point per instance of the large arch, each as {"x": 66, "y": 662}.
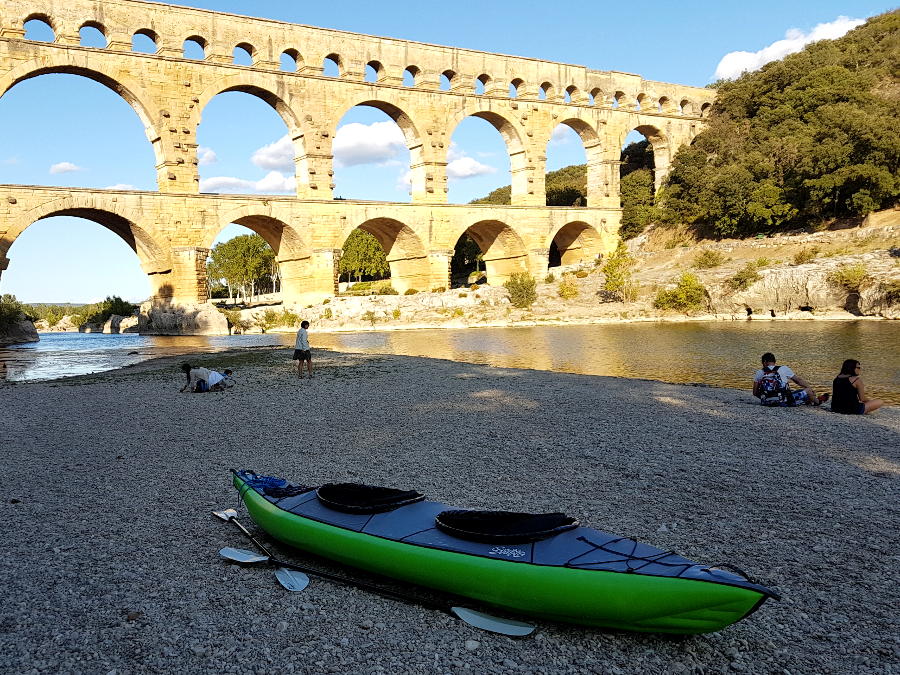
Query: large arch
{"x": 503, "y": 250}
{"x": 411, "y": 136}
{"x": 292, "y": 251}
{"x": 405, "y": 252}
{"x": 134, "y": 96}
{"x": 154, "y": 257}
{"x": 576, "y": 242}
{"x": 659, "y": 141}
{"x": 515, "y": 148}
{"x": 593, "y": 151}
{"x": 258, "y": 85}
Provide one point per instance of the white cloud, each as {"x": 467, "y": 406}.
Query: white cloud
{"x": 375, "y": 143}
{"x": 11, "y": 160}
{"x": 734, "y": 64}
{"x": 272, "y": 182}
{"x": 562, "y": 134}
{"x": 277, "y": 156}
{"x": 404, "y": 181}
{"x": 65, "y": 167}
{"x": 120, "y": 186}
{"x": 467, "y": 167}
{"x": 206, "y": 156}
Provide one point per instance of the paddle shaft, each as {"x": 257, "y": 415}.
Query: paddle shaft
{"x": 377, "y": 590}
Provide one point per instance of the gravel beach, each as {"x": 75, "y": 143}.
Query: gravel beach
{"x": 110, "y": 562}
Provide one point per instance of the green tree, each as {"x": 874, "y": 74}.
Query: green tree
{"x": 467, "y": 257}
{"x": 362, "y": 257}
{"x": 637, "y": 202}
{"x": 617, "y": 270}
{"x": 243, "y": 264}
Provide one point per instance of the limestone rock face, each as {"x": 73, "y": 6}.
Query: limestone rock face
{"x": 19, "y": 333}
{"x": 162, "y": 318}
{"x": 781, "y": 290}
{"x": 121, "y": 324}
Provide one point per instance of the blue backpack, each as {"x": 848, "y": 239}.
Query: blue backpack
{"x": 773, "y": 391}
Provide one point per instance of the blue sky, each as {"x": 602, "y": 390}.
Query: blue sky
{"x": 100, "y": 142}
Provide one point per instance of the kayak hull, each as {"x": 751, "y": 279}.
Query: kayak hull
{"x": 591, "y": 597}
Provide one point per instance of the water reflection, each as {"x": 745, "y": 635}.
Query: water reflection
{"x": 707, "y": 353}
{"x": 722, "y": 354}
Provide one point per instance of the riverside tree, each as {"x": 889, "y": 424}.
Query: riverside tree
{"x": 363, "y": 256}
{"x": 243, "y": 264}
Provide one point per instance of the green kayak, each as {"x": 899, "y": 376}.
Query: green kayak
{"x": 540, "y": 565}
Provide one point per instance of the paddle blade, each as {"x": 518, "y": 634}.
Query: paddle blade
{"x": 493, "y": 624}
{"x": 291, "y": 579}
{"x": 242, "y": 555}
{"x": 225, "y": 514}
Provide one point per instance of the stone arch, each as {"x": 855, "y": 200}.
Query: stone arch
{"x": 576, "y": 242}
{"x": 43, "y": 18}
{"x": 704, "y": 109}
{"x": 597, "y": 95}
{"x": 250, "y": 49}
{"x": 338, "y": 61}
{"x": 451, "y": 76}
{"x": 96, "y": 25}
{"x": 62, "y": 63}
{"x": 548, "y": 89}
{"x": 593, "y": 151}
{"x": 406, "y": 254}
{"x": 152, "y": 254}
{"x": 516, "y": 87}
{"x": 411, "y": 135}
{"x": 660, "y": 143}
{"x": 293, "y": 54}
{"x": 415, "y": 73}
{"x": 200, "y": 41}
{"x": 148, "y": 33}
{"x": 378, "y": 68}
{"x": 485, "y": 81}
{"x": 687, "y": 106}
{"x": 573, "y": 94}
{"x": 291, "y": 250}
{"x": 518, "y": 160}
{"x": 503, "y": 250}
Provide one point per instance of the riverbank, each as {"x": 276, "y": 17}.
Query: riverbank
{"x": 114, "y": 565}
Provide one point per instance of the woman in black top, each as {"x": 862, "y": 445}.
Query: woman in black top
{"x": 848, "y": 393}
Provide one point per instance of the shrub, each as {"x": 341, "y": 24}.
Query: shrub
{"x": 805, "y": 255}
{"x": 326, "y": 301}
{"x": 410, "y": 291}
{"x": 369, "y": 316}
{"x": 439, "y": 289}
{"x": 396, "y": 314}
{"x": 549, "y": 279}
{"x": 474, "y": 287}
{"x": 581, "y": 274}
{"x": 763, "y": 262}
{"x": 267, "y": 320}
{"x": 521, "y": 288}
{"x": 567, "y": 289}
{"x": 327, "y": 314}
{"x": 850, "y": 277}
{"x": 688, "y": 294}
{"x": 458, "y": 313}
{"x": 464, "y": 295}
{"x": 387, "y": 289}
{"x": 617, "y": 270}
{"x": 743, "y": 278}
{"x": 11, "y": 311}
{"x": 235, "y": 320}
{"x": 288, "y": 318}
{"x": 707, "y": 259}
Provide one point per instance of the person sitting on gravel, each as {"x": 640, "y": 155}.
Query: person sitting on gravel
{"x": 770, "y": 385}
{"x": 849, "y": 394}
{"x": 200, "y": 380}
{"x": 227, "y": 381}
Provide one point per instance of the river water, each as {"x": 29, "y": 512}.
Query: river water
{"x": 721, "y": 354}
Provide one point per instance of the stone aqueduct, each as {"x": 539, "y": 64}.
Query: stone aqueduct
{"x": 171, "y": 230}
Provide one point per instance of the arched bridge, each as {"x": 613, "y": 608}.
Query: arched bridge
{"x": 171, "y": 230}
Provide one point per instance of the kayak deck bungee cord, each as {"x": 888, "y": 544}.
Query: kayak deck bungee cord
{"x": 540, "y": 565}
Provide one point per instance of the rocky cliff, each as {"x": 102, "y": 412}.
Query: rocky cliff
{"x": 19, "y": 333}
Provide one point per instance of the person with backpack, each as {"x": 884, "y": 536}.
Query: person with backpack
{"x": 770, "y": 386}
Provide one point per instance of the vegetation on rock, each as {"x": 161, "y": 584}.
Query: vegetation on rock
{"x": 522, "y": 290}
{"x": 688, "y": 295}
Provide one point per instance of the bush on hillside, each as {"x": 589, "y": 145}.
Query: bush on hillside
{"x": 708, "y": 259}
{"x": 849, "y": 277}
{"x": 522, "y": 290}
{"x": 688, "y": 295}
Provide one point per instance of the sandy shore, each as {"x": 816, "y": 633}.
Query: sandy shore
{"x": 110, "y": 560}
